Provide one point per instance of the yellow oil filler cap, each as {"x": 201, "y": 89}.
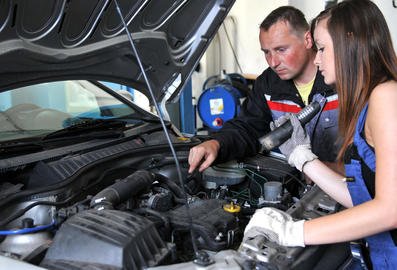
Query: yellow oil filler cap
{"x": 232, "y": 208}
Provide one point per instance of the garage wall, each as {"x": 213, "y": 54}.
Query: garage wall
{"x": 309, "y": 8}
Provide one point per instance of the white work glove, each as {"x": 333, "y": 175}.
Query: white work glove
{"x": 277, "y": 226}
{"x": 296, "y": 149}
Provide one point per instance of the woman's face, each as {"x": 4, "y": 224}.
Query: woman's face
{"x": 324, "y": 60}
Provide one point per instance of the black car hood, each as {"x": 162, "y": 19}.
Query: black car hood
{"x": 44, "y": 40}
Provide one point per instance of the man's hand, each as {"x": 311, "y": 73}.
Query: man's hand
{"x": 204, "y": 153}
{"x": 277, "y": 226}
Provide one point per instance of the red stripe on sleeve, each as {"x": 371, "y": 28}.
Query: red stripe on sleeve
{"x": 277, "y": 106}
{"x": 331, "y": 105}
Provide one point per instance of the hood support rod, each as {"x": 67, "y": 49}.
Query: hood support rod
{"x": 201, "y": 257}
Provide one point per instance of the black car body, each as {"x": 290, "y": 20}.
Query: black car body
{"x": 89, "y": 180}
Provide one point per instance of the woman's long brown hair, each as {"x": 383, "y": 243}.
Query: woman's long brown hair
{"x": 364, "y": 58}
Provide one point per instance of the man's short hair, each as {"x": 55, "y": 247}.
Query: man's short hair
{"x": 292, "y": 15}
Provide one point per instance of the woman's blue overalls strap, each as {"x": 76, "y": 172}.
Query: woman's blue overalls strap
{"x": 383, "y": 251}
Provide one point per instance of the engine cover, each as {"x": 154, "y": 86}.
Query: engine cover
{"x": 215, "y": 226}
{"x": 111, "y": 238}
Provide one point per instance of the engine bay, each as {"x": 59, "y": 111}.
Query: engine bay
{"x": 123, "y": 207}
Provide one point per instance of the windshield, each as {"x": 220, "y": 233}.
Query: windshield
{"x": 41, "y": 109}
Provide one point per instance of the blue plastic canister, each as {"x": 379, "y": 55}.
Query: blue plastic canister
{"x": 218, "y": 104}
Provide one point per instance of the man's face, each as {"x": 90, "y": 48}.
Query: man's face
{"x": 286, "y": 53}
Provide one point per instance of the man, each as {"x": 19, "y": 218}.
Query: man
{"x": 291, "y": 82}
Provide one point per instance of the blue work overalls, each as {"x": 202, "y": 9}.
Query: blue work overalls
{"x": 383, "y": 251}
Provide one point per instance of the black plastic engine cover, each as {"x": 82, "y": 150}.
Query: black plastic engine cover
{"x": 108, "y": 239}
{"x": 210, "y": 222}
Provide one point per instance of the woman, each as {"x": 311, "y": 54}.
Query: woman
{"x": 355, "y": 53}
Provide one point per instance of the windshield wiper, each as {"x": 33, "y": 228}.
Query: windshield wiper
{"x": 19, "y": 148}
{"x": 105, "y": 127}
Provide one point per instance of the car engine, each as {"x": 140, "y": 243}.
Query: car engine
{"x": 121, "y": 206}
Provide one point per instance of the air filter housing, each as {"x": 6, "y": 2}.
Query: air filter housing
{"x": 108, "y": 239}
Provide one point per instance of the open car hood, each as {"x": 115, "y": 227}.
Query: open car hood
{"x": 46, "y": 40}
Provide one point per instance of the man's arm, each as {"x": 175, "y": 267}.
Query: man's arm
{"x": 239, "y": 136}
